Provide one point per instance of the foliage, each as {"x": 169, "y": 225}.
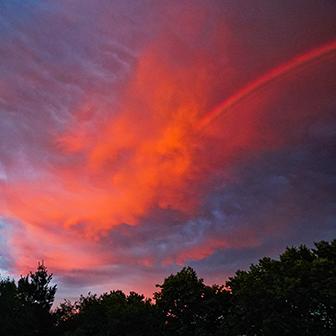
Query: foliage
{"x": 188, "y": 306}
{"x": 34, "y": 288}
{"x": 294, "y": 295}
{"x": 25, "y": 307}
{"x": 110, "y": 314}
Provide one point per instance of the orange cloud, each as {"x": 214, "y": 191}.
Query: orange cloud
{"x": 152, "y": 144}
{"x": 138, "y": 157}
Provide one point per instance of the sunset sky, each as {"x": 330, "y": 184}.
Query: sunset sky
{"x": 137, "y": 137}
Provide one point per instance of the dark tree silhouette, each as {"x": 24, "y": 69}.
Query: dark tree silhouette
{"x": 110, "y": 314}
{"x": 294, "y": 295}
{"x": 188, "y": 306}
{"x": 35, "y": 288}
{"x": 25, "y": 307}
{"x": 10, "y": 308}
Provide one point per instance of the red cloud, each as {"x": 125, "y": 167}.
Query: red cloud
{"x": 146, "y": 142}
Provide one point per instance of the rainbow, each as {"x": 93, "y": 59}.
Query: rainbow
{"x": 273, "y": 74}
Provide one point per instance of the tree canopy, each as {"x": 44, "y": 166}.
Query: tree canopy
{"x": 292, "y": 295}
{"x": 25, "y": 307}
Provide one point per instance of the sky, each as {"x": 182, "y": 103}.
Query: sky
{"x": 137, "y": 137}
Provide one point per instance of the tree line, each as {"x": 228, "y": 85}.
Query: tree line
{"x": 292, "y": 295}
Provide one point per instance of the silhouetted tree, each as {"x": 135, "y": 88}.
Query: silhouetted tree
{"x": 110, "y": 314}
{"x": 35, "y": 288}
{"x": 10, "y": 308}
{"x": 295, "y": 295}
{"x": 188, "y": 306}
{"x": 36, "y": 295}
{"x": 25, "y": 307}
